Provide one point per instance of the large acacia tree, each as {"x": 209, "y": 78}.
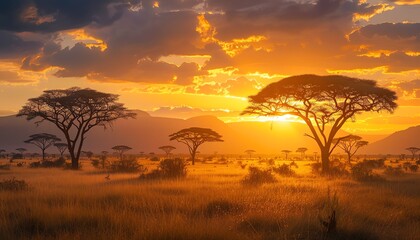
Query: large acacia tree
{"x": 75, "y": 112}
{"x": 194, "y": 137}
{"x": 43, "y": 141}
{"x": 324, "y": 103}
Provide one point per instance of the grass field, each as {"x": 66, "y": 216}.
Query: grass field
{"x": 211, "y": 203}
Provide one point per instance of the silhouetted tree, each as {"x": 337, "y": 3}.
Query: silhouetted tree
{"x": 1, "y": 152}
{"x": 302, "y": 151}
{"x": 350, "y": 144}
{"x": 194, "y": 137}
{"x": 250, "y": 152}
{"x": 321, "y": 101}
{"x": 413, "y": 151}
{"x": 21, "y": 151}
{"x": 75, "y": 112}
{"x": 121, "y": 149}
{"x": 88, "y": 154}
{"x": 61, "y": 147}
{"x": 167, "y": 149}
{"x": 286, "y": 152}
{"x": 43, "y": 141}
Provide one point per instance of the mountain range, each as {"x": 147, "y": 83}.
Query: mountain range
{"x": 146, "y": 133}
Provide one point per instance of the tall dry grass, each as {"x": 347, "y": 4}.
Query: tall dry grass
{"x": 211, "y": 203}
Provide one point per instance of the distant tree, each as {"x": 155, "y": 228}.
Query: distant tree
{"x": 324, "y": 103}
{"x": 413, "y": 151}
{"x": 21, "y": 150}
{"x": 302, "y": 151}
{"x": 350, "y": 144}
{"x": 194, "y": 137}
{"x": 286, "y": 152}
{"x": 75, "y": 112}
{"x": 167, "y": 149}
{"x": 316, "y": 156}
{"x": 61, "y": 147}
{"x": 104, "y": 156}
{"x": 250, "y": 152}
{"x": 121, "y": 149}
{"x": 43, "y": 141}
{"x": 88, "y": 154}
{"x": 1, "y": 152}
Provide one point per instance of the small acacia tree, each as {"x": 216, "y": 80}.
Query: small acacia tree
{"x": 75, "y": 112}
{"x": 167, "y": 149}
{"x": 194, "y": 137}
{"x": 121, "y": 149}
{"x": 286, "y": 152}
{"x": 61, "y": 147}
{"x": 413, "y": 151}
{"x": 324, "y": 103}
{"x": 21, "y": 151}
{"x": 43, "y": 141}
{"x": 302, "y": 151}
{"x": 350, "y": 144}
{"x": 250, "y": 152}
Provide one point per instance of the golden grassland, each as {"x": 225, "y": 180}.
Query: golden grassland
{"x": 211, "y": 203}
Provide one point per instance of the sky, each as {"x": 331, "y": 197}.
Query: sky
{"x": 183, "y": 58}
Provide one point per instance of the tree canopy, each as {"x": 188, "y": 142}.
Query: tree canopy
{"x": 167, "y": 149}
{"x": 194, "y": 137}
{"x": 75, "y": 111}
{"x": 121, "y": 149}
{"x": 324, "y": 103}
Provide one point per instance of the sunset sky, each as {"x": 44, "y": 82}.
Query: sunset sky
{"x": 183, "y": 58}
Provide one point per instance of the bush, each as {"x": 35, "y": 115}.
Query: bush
{"x": 393, "y": 171}
{"x": 258, "y": 176}
{"x": 168, "y": 168}
{"x": 154, "y": 159}
{"x": 337, "y": 168}
{"x": 363, "y": 171}
{"x": 413, "y": 168}
{"x": 128, "y": 165}
{"x": 13, "y": 185}
{"x": 48, "y": 164}
{"x": 284, "y": 170}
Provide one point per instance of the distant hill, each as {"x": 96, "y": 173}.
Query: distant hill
{"x": 395, "y": 143}
{"x": 146, "y": 133}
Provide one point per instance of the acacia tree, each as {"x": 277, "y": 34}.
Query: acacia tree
{"x": 194, "y": 137}
{"x": 43, "y": 141}
{"x": 302, "y": 151}
{"x": 350, "y": 144}
{"x": 413, "y": 151}
{"x": 167, "y": 149}
{"x": 324, "y": 103}
{"x": 121, "y": 149}
{"x": 21, "y": 151}
{"x": 250, "y": 152}
{"x": 1, "y": 152}
{"x": 286, "y": 152}
{"x": 61, "y": 147}
{"x": 75, "y": 112}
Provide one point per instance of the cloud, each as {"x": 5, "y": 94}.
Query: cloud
{"x": 188, "y": 112}
{"x": 406, "y": 2}
{"x": 12, "y": 77}
{"x": 52, "y": 16}
{"x": 12, "y": 46}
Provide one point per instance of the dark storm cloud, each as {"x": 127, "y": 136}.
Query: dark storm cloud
{"x": 56, "y": 15}
{"x": 12, "y": 46}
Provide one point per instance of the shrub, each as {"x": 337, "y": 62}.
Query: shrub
{"x": 413, "y": 168}
{"x": 364, "y": 172}
{"x": 154, "y": 159}
{"x": 393, "y": 171}
{"x": 173, "y": 168}
{"x": 258, "y": 176}
{"x": 337, "y": 168}
{"x": 60, "y": 162}
{"x": 13, "y": 185}
{"x": 284, "y": 170}
{"x": 128, "y": 164}
{"x": 168, "y": 168}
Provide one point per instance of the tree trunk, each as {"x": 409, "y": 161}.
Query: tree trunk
{"x": 349, "y": 158}
{"x": 43, "y": 155}
{"x": 193, "y": 158}
{"x": 325, "y": 159}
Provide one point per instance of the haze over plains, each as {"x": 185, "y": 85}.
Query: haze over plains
{"x": 188, "y": 58}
